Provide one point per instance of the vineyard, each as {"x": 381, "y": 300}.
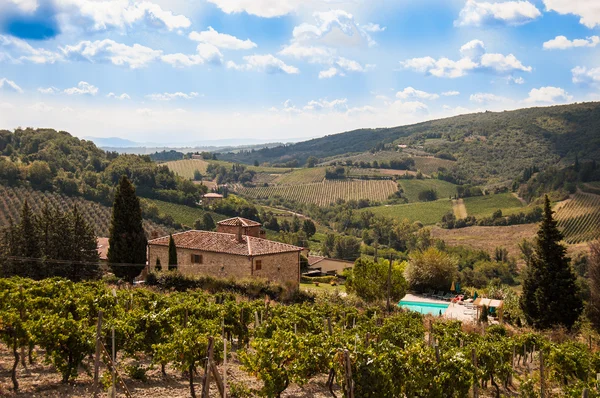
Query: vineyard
{"x": 430, "y": 165}
{"x": 428, "y": 213}
{"x": 185, "y": 168}
{"x": 325, "y": 193}
{"x": 412, "y": 188}
{"x": 579, "y": 218}
{"x": 302, "y": 176}
{"x": 485, "y": 206}
{"x": 11, "y": 202}
{"x": 317, "y": 347}
{"x": 183, "y": 214}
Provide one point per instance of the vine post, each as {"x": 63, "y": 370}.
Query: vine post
{"x": 542, "y": 381}
{"x": 474, "y": 360}
{"x": 98, "y": 353}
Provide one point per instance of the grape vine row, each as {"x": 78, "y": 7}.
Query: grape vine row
{"x": 579, "y": 219}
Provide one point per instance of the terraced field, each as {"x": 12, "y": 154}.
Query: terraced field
{"x": 413, "y": 187}
{"x": 326, "y": 192}
{"x": 579, "y": 218}
{"x": 485, "y": 206}
{"x": 11, "y": 202}
{"x": 428, "y": 213}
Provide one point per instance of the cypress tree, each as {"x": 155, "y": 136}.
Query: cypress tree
{"x": 29, "y": 245}
{"x": 550, "y": 294}
{"x": 172, "y": 253}
{"x": 127, "y": 239}
{"x": 209, "y": 223}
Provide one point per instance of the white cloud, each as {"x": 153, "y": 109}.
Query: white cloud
{"x": 146, "y": 112}
{"x": 171, "y": 96}
{"x": 337, "y": 105}
{"x": 410, "y": 92}
{"x": 222, "y": 40}
{"x": 118, "y": 14}
{"x": 205, "y": 53}
{"x": 10, "y": 86}
{"x": 121, "y": 97}
{"x": 483, "y": 98}
{"x": 329, "y": 73}
{"x": 107, "y": 50}
{"x": 450, "y": 93}
{"x": 476, "y": 13}
{"x": 409, "y": 107}
{"x": 474, "y": 58}
{"x": 588, "y": 10}
{"x": 583, "y": 75}
{"x": 373, "y": 27}
{"x": 20, "y": 50}
{"x": 264, "y": 63}
{"x": 515, "y": 80}
{"x": 312, "y": 54}
{"x": 48, "y": 90}
{"x": 548, "y": 95}
{"x": 337, "y": 28}
{"x": 81, "y": 89}
{"x": 41, "y": 107}
{"x": 261, "y": 8}
{"x": 562, "y": 43}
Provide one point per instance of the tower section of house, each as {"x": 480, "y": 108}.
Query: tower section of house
{"x": 229, "y": 255}
{"x": 248, "y": 227}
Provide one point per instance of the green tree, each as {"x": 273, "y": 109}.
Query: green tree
{"x": 127, "y": 240}
{"x": 209, "y": 223}
{"x": 309, "y": 228}
{"x": 311, "y": 161}
{"x": 593, "y": 308}
{"x": 431, "y": 269}
{"x": 369, "y": 280}
{"x": 550, "y": 294}
{"x": 197, "y": 175}
{"x": 295, "y": 224}
{"x": 172, "y": 253}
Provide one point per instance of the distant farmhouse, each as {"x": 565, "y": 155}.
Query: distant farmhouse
{"x": 210, "y": 198}
{"x": 234, "y": 251}
{"x": 329, "y": 266}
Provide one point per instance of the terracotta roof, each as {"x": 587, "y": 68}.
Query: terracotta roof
{"x": 313, "y": 260}
{"x": 213, "y": 195}
{"x": 102, "y": 248}
{"x": 239, "y": 221}
{"x": 225, "y": 243}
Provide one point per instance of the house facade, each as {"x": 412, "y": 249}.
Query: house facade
{"x": 229, "y": 255}
{"x": 329, "y": 266}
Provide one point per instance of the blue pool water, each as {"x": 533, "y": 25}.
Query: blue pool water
{"x": 424, "y": 308}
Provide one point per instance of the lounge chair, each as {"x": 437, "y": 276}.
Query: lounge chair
{"x": 439, "y": 295}
{"x": 429, "y": 293}
{"x": 448, "y": 296}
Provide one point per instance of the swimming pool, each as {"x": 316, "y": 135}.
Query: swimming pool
{"x": 423, "y": 307}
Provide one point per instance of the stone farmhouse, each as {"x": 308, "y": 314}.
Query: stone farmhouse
{"x": 328, "y": 266}
{"x": 236, "y": 250}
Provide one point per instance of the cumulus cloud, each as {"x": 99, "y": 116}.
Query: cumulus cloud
{"x": 587, "y": 10}
{"x": 476, "y": 13}
{"x": 261, "y": 8}
{"x": 583, "y": 75}
{"x": 484, "y": 98}
{"x": 171, "y": 96}
{"x": 562, "y": 43}
{"x": 474, "y": 58}
{"x": 83, "y": 88}
{"x": 263, "y": 63}
{"x": 10, "y": 86}
{"x": 325, "y": 56}
{"x": 205, "y": 53}
{"x": 373, "y": 27}
{"x": 121, "y": 97}
{"x": 16, "y": 50}
{"x": 410, "y": 92}
{"x": 515, "y": 80}
{"x": 450, "y": 93}
{"x": 548, "y": 95}
{"x": 48, "y": 90}
{"x": 109, "y": 51}
{"x": 329, "y": 73}
{"x": 222, "y": 40}
{"x": 337, "y": 105}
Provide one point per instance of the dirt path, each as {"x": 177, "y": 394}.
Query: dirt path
{"x": 459, "y": 208}
{"x": 523, "y": 201}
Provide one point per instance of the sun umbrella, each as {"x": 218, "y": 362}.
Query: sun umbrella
{"x": 474, "y": 295}
{"x": 452, "y": 288}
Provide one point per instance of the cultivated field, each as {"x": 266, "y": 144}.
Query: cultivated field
{"x": 427, "y": 213}
{"x": 183, "y": 214}
{"x": 485, "y": 206}
{"x": 412, "y": 188}
{"x": 326, "y": 192}
{"x": 579, "y": 218}
{"x": 186, "y": 167}
{"x": 302, "y": 176}
{"x": 430, "y": 165}
{"x": 11, "y": 202}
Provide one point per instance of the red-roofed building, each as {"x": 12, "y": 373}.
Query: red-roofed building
{"x": 249, "y": 227}
{"x": 229, "y": 255}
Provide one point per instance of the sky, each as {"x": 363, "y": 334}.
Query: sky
{"x": 176, "y": 71}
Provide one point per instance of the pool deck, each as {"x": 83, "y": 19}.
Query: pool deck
{"x": 454, "y": 310}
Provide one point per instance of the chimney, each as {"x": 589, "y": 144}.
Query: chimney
{"x": 239, "y": 233}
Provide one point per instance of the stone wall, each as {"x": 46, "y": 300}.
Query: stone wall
{"x": 283, "y": 268}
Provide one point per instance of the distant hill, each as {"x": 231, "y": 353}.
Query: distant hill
{"x": 489, "y": 148}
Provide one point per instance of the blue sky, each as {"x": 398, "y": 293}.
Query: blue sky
{"x": 176, "y": 71}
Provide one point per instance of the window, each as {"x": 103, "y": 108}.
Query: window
{"x": 258, "y": 265}
{"x": 196, "y": 258}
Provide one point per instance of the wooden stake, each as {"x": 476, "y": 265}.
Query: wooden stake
{"x": 348, "y": 371}
{"x": 474, "y": 360}
{"x": 585, "y": 393}
{"x": 542, "y": 381}
{"x": 207, "y": 368}
{"x": 98, "y": 353}
{"x": 437, "y": 353}
{"x": 329, "y": 326}
{"x": 224, "y": 368}
{"x": 256, "y": 320}
{"x": 430, "y": 343}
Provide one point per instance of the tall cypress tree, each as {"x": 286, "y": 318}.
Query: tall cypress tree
{"x": 29, "y": 245}
{"x": 172, "y": 253}
{"x": 550, "y": 294}
{"x": 127, "y": 239}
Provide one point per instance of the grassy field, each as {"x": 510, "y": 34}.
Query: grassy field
{"x": 326, "y": 192}
{"x": 484, "y": 206}
{"x": 427, "y": 213}
{"x": 323, "y": 287}
{"x": 182, "y": 214}
{"x": 302, "y": 176}
{"x": 413, "y": 187}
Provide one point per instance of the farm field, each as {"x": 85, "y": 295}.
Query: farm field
{"x": 413, "y": 187}
{"x": 385, "y": 173}
{"x": 97, "y": 215}
{"x": 302, "y": 176}
{"x": 430, "y": 165}
{"x": 326, "y": 192}
{"x": 186, "y": 167}
{"x": 485, "y": 206}
{"x": 428, "y": 213}
{"x": 579, "y": 218}
{"x": 183, "y": 214}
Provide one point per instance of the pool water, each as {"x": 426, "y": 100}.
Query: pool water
{"x": 424, "y": 308}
